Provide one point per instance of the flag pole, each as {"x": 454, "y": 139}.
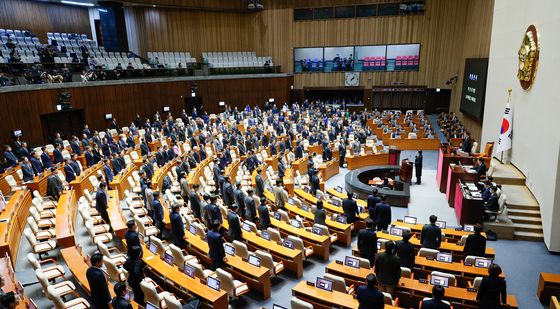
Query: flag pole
{"x": 508, "y": 100}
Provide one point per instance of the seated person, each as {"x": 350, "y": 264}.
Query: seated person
{"x": 492, "y": 203}
{"x": 480, "y": 167}
{"x": 486, "y": 191}
{"x": 436, "y": 302}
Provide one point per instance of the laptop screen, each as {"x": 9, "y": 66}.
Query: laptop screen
{"x": 437, "y": 280}
{"x": 288, "y": 244}
{"x": 168, "y": 258}
{"x": 482, "y": 263}
{"x": 410, "y": 220}
{"x": 339, "y": 189}
{"x": 444, "y": 257}
{"x": 317, "y": 230}
{"x": 151, "y": 306}
{"x": 246, "y": 226}
{"x": 341, "y": 219}
{"x": 213, "y": 283}
{"x": 290, "y": 201}
{"x": 395, "y": 231}
{"x": 192, "y": 229}
{"x": 324, "y": 284}
{"x": 335, "y": 203}
{"x": 229, "y": 249}
{"x": 153, "y": 248}
{"x": 295, "y": 223}
{"x": 275, "y": 306}
{"x": 305, "y": 208}
{"x": 441, "y": 224}
{"x": 468, "y": 228}
{"x": 277, "y": 216}
{"x": 378, "y": 245}
{"x": 265, "y": 235}
{"x": 189, "y": 270}
{"x": 352, "y": 262}
{"x": 255, "y": 260}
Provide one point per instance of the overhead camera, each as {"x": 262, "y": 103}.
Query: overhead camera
{"x": 64, "y": 100}
{"x": 452, "y": 80}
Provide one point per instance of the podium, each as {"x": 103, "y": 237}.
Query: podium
{"x": 406, "y": 171}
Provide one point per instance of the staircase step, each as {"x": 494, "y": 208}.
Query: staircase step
{"x": 524, "y": 227}
{"x": 528, "y": 236}
{"x": 522, "y": 212}
{"x": 523, "y": 219}
{"x": 507, "y": 174}
{"x": 519, "y": 196}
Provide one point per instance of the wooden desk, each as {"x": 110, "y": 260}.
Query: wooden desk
{"x": 289, "y": 181}
{"x": 355, "y": 162}
{"x": 468, "y": 209}
{"x": 301, "y": 165}
{"x": 39, "y": 183}
{"x": 120, "y": 181}
{"x": 258, "y": 278}
{"x": 4, "y": 186}
{"x": 549, "y": 285}
{"x": 11, "y": 282}
{"x": 342, "y": 196}
{"x": 82, "y": 182}
{"x": 118, "y": 222}
{"x": 416, "y": 290}
{"x": 195, "y": 174}
{"x": 65, "y": 219}
{"x": 554, "y": 303}
{"x": 320, "y": 244}
{"x": 13, "y": 221}
{"x": 329, "y": 169}
{"x": 454, "y": 175}
{"x": 463, "y": 273}
{"x": 171, "y": 275}
{"x": 323, "y": 299}
{"x": 449, "y": 233}
{"x": 444, "y": 159}
{"x": 415, "y": 143}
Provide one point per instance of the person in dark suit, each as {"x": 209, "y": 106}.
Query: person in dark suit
{"x": 158, "y": 214}
{"x": 216, "y": 250}
{"x": 418, "y": 166}
{"x": 75, "y": 165}
{"x": 431, "y": 234}
{"x": 388, "y": 268}
{"x": 45, "y": 158}
{"x": 250, "y": 208}
{"x": 480, "y": 167}
{"x": 314, "y": 183}
{"x": 259, "y": 183}
{"x": 372, "y": 200}
{"x": 368, "y": 296}
{"x": 144, "y": 149}
{"x": 436, "y": 302}
{"x": 367, "y": 242}
{"x": 90, "y": 158}
{"x": 350, "y": 208}
{"x": 101, "y": 202}
{"x": 69, "y": 171}
{"x": 36, "y": 163}
{"x": 177, "y": 226}
{"x": 319, "y": 215}
{"x": 54, "y": 185}
{"x": 234, "y": 230}
{"x": 466, "y": 144}
{"x": 486, "y": 194}
{"x": 227, "y": 192}
{"x": 107, "y": 171}
{"x": 341, "y": 152}
{"x": 475, "y": 243}
{"x": 120, "y": 301}
{"x": 131, "y": 236}
{"x": 135, "y": 267}
{"x": 57, "y": 154}
{"x": 405, "y": 250}
{"x": 194, "y": 201}
{"x": 382, "y": 214}
{"x": 492, "y": 292}
{"x": 264, "y": 216}
{"x": 75, "y": 146}
{"x": 97, "y": 279}
{"x": 493, "y": 203}
{"x": 26, "y": 169}
{"x": 240, "y": 200}
{"x": 215, "y": 211}
{"x": 299, "y": 151}
{"x": 10, "y": 157}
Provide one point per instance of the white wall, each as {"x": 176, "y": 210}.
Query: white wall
{"x": 536, "y": 113}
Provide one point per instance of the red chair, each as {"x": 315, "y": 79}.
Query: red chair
{"x": 383, "y": 63}
{"x": 416, "y": 62}
{"x": 367, "y": 64}
{"x": 398, "y": 63}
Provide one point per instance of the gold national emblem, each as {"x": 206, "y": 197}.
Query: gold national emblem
{"x": 528, "y": 56}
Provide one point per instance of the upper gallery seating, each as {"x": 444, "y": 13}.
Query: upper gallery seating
{"x": 235, "y": 59}
{"x": 70, "y": 39}
{"x": 170, "y": 59}
{"x": 26, "y": 45}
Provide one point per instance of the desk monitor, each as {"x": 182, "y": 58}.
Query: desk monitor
{"x": 444, "y": 257}
{"x": 153, "y": 248}
{"x": 468, "y": 228}
{"x": 339, "y": 189}
{"x": 410, "y": 220}
{"x": 265, "y": 235}
{"x": 289, "y": 244}
{"x": 168, "y": 258}
{"x": 317, "y": 230}
{"x": 324, "y": 284}
{"x": 438, "y": 280}
{"x": 32, "y": 304}
{"x": 277, "y": 216}
{"x": 395, "y": 231}
{"x": 229, "y": 249}
{"x": 378, "y": 245}
{"x": 246, "y": 226}
{"x": 290, "y": 201}
{"x": 213, "y": 283}
{"x": 441, "y": 224}
{"x": 305, "y": 208}
{"x": 189, "y": 270}
{"x": 341, "y": 219}
{"x": 335, "y": 203}
{"x": 275, "y": 306}
{"x": 151, "y": 306}
{"x": 192, "y": 229}
{"x": 360, "y": 209}
{"x": 352, "y": 262}
{"x": 255, "y": 260}
{"x": 295, "y": 223}
{"x": 482, "y": 262}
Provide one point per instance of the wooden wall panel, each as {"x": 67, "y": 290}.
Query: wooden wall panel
{"x": 41, "y": 18}
{"x": 23, "y": 110}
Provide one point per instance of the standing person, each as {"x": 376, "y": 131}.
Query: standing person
{"x": 431, "y": 234}
{"x": 492, "y": 292}
{"x": 382, "y": 214}
{"x": 475, "y": 243}
{"x": 264, "y": 215}
{"x": 405, "y": 250}
{"x": 387, "y": 268}
{"x": 101, "y": 202}
{"x": 120, "y": 301}
{"x": 97, "y": 279}
{"x": 195, "y": 203}
{"x": 367, "y": 242}
{"x": 436, "y": 302}
{"x": 177, "y": 226}
{"x": 251, "y": 209}
{"x": 135, "y": 267}
{"x": 131, "y": 236}
{"x": 158, "y": 214}
{"x": 227, "y": 192}
{"x": 350, "y": 208}
{"x": 234, "y": 225}
{"x": 372, "y": 200}
{"x": 216, "y": 251}
{"x": 259, "y": 183}
{"x": 341, "y": 152}
{"x": 240, "y": 200}
{"x": 319, "y": 215}
{"x": 280, "y": 195}
{"x": 418, "y": 166}
{"x": 54, "y": 185}
{"x": 368, "y": 296}
{"x": 314, "y": 183}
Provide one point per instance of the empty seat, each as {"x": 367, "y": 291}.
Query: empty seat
{"x": 234, "y": 288}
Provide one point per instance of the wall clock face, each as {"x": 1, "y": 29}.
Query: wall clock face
{"x": 351, "y": 79}
{"x": 528, "y": 58}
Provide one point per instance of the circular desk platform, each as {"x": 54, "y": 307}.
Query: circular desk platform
{"x": 356, "y": 181}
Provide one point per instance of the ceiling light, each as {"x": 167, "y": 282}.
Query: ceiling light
{"x": 77, "y": 3}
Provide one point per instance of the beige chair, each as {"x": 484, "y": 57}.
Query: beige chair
{"x": 50, "y": 272}
{"x": 199, "y": 271}
{"x": 428, "y": 298}
{"x": 118, "y": 258}
{"x": 297, "y": 303}
{"x": 161, "y": 245}
{"x": 284, "y": 216}
{"x": 145, "y": 230}
{"x": 470, "y": 259}
{"x": 42, "y": 223}
{"x": 326, "y": 232}
{"x": 241, "y": 249}
{"x": 172, "y": 301}
{"x": 14, "y": 186}
{"x": 428, "y": 253}
{"x": 86, "y": 216}
{"x": 274, "y": 235}
{"x": 153, "y": 293}
{"x": 76, "y": 303}
{"x": 382, "y": 241}
{"x": 476, "y": 283}
{"x": 97, "y": 236}
{"x": 41, "y": 235}
{"x": 234, "y": 288}
{"x": 62, "y": 288}
{"x": 114, "y": 272}
{"x": 253, "y": 226}
{"x": 388, "y": 299}
{"x": 47, "y": 201}
{"x": 364, "y": 263}
{"x": 298, "y": 244}
{"x": 452, "y": 278}
{"x": 339, "y": 284}
{"x": 37, "y": 247}
{"x": 267, "y": 261}
{"x": 97, "y": 228}
{"x": 180, "y": 257}
{"x": 199, "y": 230}
{"x": 406, "y": 272}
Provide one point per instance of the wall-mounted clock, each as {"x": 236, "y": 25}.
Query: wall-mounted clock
{"x": 351, "y": 79}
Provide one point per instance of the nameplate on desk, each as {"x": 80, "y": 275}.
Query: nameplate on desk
{"x": 471, "y": 290}
{"x": 310, "y": 283}
{"x": 339, "y": 262}
{"x": 458, "y": 229}
{"x": 149, "y": 258}
{"x": 423, "y": 280}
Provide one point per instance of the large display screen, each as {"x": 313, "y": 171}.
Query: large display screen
{"x": 474, "y": 87}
